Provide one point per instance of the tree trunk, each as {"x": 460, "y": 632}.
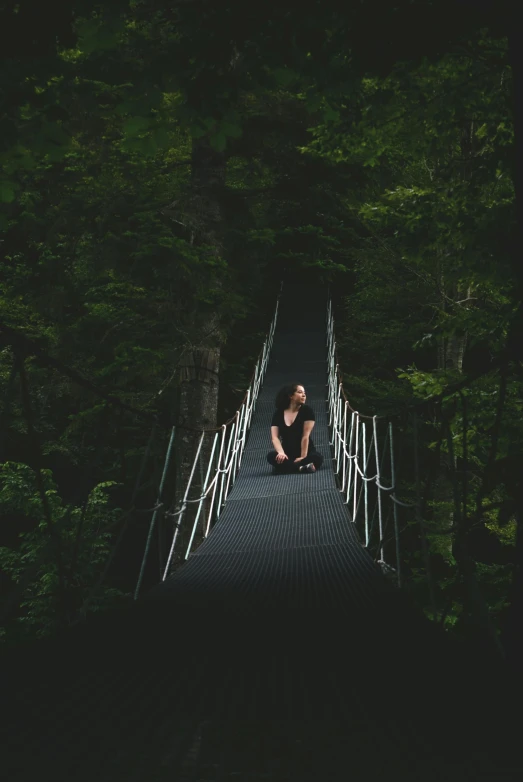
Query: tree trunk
{"x": 199, "y": 368}
{"x": 455, "y": 351}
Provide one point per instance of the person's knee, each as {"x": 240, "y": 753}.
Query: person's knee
{"x": 271, "y": 457}
{"x": 318, "y": 460}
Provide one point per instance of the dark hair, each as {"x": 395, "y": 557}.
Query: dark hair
{"x": 282, "y": 400}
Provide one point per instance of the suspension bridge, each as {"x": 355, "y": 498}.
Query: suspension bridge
{"x": 278, "y": 650}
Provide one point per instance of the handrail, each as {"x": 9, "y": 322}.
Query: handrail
{"x": 353, "y": 450}
{"x": 232, "y": 435}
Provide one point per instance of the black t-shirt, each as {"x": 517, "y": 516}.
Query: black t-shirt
{"x": 290, "y": 436}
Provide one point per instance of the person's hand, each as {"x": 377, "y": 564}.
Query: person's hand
{"x": 299, "y": 459}
{"x": 281, "y": 458}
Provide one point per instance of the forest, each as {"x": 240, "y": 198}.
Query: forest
{"x": 163, "y": 168}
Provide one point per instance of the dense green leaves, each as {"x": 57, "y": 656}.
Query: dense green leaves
{"x": 378, "y": 162}
{"x": 83, "y": 537}
{"x": 434, "y": 296}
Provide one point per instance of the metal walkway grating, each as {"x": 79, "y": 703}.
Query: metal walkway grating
{"x": 285, "y": 537}
{"x": 264, "y": 523}
{"x": 275, "y": 654}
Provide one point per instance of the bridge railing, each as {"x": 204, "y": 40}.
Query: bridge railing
{"x": 365, "y": 465}
{"x": 227, "y": 444}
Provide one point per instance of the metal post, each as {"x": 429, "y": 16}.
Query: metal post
{"x": 337, "y": 436}
{"x": 351, "y": 460}
{"x": 331, "y": 380}
{"x": 246, "y": 421}
{"x": 336, "y": 408}
{"x": 258, "y": 381}
{"x": 365, "y": 486}
{"x": 255, "y": 379}
{"x": 155, "y": 513}
{"x": 216, "y": 480}
{"x": 333, "y": 399}
{"x": 382, "y": 462}
{"x": 203, "y": 495}
{"x": 252, "y": 402}
{"x": 356, "y": 448}
{"x": 340, "y": 418}
{"x": 182, "y": 509}
{"x": 335, "y": 424}
{"x": 237, "y": 446}
{"x": 230, "y": 469}
{"x": 225, "y": 473}
{"x": 329, "y": 398}
{"x": 344, "y": 443}
{"x": 378, "y": 479}
{"x": 331, "y": 412}
{"x": 263, "y": 358}
{"x": 395, "y": 508}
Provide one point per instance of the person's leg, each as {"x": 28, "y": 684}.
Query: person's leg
{"x": 312, "y": 462}
{"x": 281, "y": 468}
{"x": 316, "y": 458}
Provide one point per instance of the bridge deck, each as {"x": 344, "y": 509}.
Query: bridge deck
{"x": 286, "y": 539}
{"x": 276, "y": 653}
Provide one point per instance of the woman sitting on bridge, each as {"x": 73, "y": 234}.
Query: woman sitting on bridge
{"x": 291, "y": 427}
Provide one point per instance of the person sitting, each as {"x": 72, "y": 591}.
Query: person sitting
{"x": 291, "y": 427}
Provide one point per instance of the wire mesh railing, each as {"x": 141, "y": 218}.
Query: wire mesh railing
{"x": 217, "y": 475}
{"x": 364, "y": 460}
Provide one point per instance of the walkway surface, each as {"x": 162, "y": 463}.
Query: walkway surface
{"x": 285, "y": 539}
{"x": 277, "y": 653}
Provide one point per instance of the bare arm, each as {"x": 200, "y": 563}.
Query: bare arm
{"x": 308, "y": 426}
{"x": 275, "y": 437}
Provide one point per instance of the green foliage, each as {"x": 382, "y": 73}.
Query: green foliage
{"x": 426, "y": 385}
{"x": 434, "y": 206}
{"x": 392, "y": 181}
{"x": 82, "y": 538}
